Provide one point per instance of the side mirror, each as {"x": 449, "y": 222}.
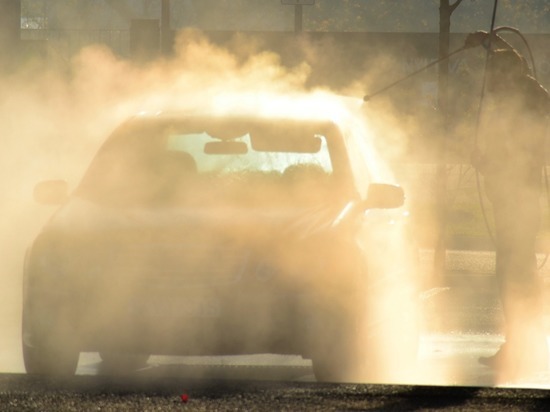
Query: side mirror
{"x": 51, "y": 192}
{"x": 384, "y": 196}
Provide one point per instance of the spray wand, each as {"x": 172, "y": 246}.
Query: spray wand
{"x": 395, "y": 83}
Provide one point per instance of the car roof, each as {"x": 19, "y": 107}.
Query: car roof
{"x": 247, "y": 118}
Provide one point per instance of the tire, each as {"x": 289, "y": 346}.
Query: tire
{"x": 337, "y": 355}
{"x": 122, "y": 362}
{"x": 393, "y": 350}
{"x": 48, "y": 350}
{"x": 385, "y": 352}
{"x": 336, "y": 368}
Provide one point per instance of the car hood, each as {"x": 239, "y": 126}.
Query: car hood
{"x": 214, "y": 244}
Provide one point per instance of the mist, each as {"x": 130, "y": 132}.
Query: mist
{"x": 54, "y": 121}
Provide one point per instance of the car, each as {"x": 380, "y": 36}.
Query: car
{"x": 203, "y": 233}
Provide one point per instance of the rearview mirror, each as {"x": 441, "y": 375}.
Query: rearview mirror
{"x": 288, "y": 143}
{"x": 51, "y": 192}
{"x": 384, "y": 196}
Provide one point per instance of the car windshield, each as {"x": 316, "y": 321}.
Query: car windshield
{"x": 197, "y": 160}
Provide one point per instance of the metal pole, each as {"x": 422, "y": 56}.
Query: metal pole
{"x": 441, "y": 179}
{"x": 298, "y": 18}
{"x": 165, "y": 45}
{"x": 10, "y": 33}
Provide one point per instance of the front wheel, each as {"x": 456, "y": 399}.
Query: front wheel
{"x": 376, "y": 345}
{"x": 337, "y": 354}
{"x": 45, "y": 360}
{"x": 341, "y": 366}
{"x": 48, "y": 349}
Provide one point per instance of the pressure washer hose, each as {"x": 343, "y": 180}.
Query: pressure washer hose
{"x": 478, "y": 122}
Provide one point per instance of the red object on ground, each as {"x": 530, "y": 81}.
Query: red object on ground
{"x": 184, "y": 398}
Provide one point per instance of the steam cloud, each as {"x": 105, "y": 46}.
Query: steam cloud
{"x": 53, "y": 121}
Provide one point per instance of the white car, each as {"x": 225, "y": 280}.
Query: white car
{"x": 212, "y": 235}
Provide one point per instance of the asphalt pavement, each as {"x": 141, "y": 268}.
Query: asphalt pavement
{"x": 99, "y": 393}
